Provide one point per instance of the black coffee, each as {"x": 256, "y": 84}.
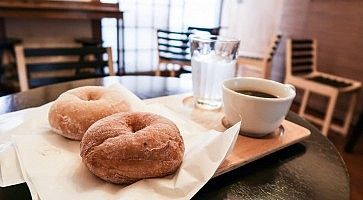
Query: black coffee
{"x": 256, "y": 93}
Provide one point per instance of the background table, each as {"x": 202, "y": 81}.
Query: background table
{"x": 311, "y": 169}
{"x": 68, "y": 10}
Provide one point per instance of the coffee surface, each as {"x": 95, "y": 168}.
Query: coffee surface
{"x": 256, "y": 93}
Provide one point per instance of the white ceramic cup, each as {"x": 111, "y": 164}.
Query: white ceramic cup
{"x": 259, "y": 116}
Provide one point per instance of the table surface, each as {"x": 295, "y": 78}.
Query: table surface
{"x": 311, "y": 169}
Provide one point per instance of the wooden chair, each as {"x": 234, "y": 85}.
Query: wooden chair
{"x": 173, "y": 48}
{"x": 43, "y": 66}
{"x": 8, "y": 75}
{"x": 261, "y": 64}
{"x": 301, "y": 71}
{"x": 89, "y": 42}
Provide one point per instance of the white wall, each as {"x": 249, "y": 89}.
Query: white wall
{"x": 252, "y": 21}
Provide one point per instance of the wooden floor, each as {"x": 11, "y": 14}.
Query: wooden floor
{"x": 354, "y": 162}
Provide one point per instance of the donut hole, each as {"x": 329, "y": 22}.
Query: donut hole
{"x": 137, "y": 127}
{"x": 91, "y": 96}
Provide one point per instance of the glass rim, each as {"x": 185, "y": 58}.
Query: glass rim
{"x": 213, "y": 38}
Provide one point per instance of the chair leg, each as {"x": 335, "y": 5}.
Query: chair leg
{"x": 266, "y": 69}
{"x": 157, "y": 72}
{"x": 349, "y": 114}
{"x": 304, "y": 102}
{"x": 172, "y": 72}
{"x": 354, "y": 136}
{"x": 329, "y": 114}
{"x": 263, "y": 71}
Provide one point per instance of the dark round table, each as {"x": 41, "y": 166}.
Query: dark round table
{"x": 311, "y": 169}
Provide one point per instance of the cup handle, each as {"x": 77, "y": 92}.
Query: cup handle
{"x": 291, "y": 86}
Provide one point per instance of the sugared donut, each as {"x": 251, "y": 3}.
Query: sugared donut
{"x": 76, "y": 110}
{"x": 127, "y": 147}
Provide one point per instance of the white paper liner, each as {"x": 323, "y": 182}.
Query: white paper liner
{"x": 21, "y": 122}
{"x": 53, "y": 169}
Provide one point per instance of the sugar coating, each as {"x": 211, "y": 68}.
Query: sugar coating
{"x": 76, "y": 110}
{"x": 127, "y": 147}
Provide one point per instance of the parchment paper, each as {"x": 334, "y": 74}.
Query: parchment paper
{"x": 27, "y": 121}
{"x": 52, "y": 167}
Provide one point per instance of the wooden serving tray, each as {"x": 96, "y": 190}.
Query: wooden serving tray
{"x": 247, "y": 149}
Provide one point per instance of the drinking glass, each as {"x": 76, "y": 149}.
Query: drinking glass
{"x": 213, "y": 60}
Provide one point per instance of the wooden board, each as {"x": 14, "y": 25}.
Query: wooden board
{"x": 247, "y": 149}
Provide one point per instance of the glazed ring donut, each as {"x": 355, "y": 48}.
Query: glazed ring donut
{"x": 76, "y": 110}
{"x": 127, "y": 147}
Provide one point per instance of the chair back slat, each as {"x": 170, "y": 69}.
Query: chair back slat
{"x": 172, "y": 32}
{"x": 302, "y": 56}
{"x": 167, "y": 39}
{"x": 299, "y": 49}
{"x": 302, "y": 70}
{"x": 299, "y": 63}
{"x": 173, "y": 45}
{"x": 38, "y": 67}
{"x": 53, "y": 65}
{"x": 32, "y": 52}
{"x": 181, "y": 53}
{"x": 37, "y": 82}
{"x": 302, "y": 41}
